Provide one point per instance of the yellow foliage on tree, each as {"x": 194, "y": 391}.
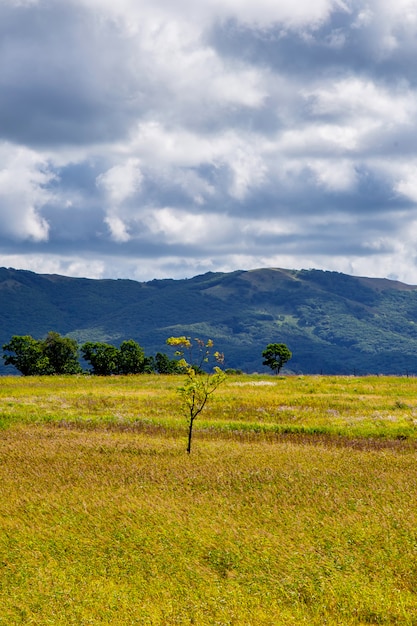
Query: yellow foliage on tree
{"x": 198, "y": 385}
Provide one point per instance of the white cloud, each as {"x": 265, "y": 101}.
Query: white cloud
{"x": 261, "y": 13}
{"x": 321, "y": 139}
{"x": 242, "y": 153}
{"x": 358, "y": 98}
{"x": 53, "y": 264}
{"x": 340, "y": 175}
{"x": 121, "y": 181}
{"x": 407, "y": 183}
{"x": 159, "y": 145}
{"x": 248, "y": 169}
{"x": 393, "y": 25}
{"x": 118, "y": 229}
{"x": 24, "y": 177}
{"x": 176, "y": 226}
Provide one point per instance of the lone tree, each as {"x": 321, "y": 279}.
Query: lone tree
{"x": 276, "y": 356}
{"x": 198, "y": 385}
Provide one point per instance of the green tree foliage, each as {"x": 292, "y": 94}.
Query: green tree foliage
{"x": 131, "y": 358}
{"x": 27, "y": 355}
{"x": 103, "y": 357}
{"x": 276, "y": 355}
{"x": 37, "y": 357}
{"x": 198, "y": 385}
{"x": 149, "y": 365}
{"x": 165, "y": 365}
{"x": 62, "y": 354}
{"x": 59, "y": 355}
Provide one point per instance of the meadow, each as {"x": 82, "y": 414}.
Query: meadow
{"x": 296, "y": 506}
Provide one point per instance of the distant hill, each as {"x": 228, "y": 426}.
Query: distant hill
{"x": 332, "y": 322}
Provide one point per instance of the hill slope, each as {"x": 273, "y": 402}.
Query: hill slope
{"x": 332, "y": 322}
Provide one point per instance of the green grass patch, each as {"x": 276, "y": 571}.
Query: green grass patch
{"x": 343, "y": 406}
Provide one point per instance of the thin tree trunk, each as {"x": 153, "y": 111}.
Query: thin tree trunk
{"x": 190, "y": 434}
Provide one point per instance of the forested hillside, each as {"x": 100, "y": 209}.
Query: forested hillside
{"x": 333, "y": 323}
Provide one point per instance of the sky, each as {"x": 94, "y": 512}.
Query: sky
{"x": 167, "y": 138}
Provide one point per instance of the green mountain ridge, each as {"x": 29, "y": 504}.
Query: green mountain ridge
{"x": 332, "y": 322}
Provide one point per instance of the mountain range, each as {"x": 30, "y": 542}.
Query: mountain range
{"x": 333, "y": 323}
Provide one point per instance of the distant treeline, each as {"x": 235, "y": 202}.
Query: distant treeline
{"x": 61, "y": 355}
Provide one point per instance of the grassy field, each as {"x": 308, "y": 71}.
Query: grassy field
{"x": 298, "y": 504}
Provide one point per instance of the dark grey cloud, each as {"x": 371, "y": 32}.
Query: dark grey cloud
{"x": 62, "y": 75}
{"x": 339, "y": 46}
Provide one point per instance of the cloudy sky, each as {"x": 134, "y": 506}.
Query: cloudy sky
{"x": 166, "y": 138}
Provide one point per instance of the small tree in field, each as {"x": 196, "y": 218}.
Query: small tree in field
{"x": 198, "y": 385}
{"x": 276, "y": 356}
